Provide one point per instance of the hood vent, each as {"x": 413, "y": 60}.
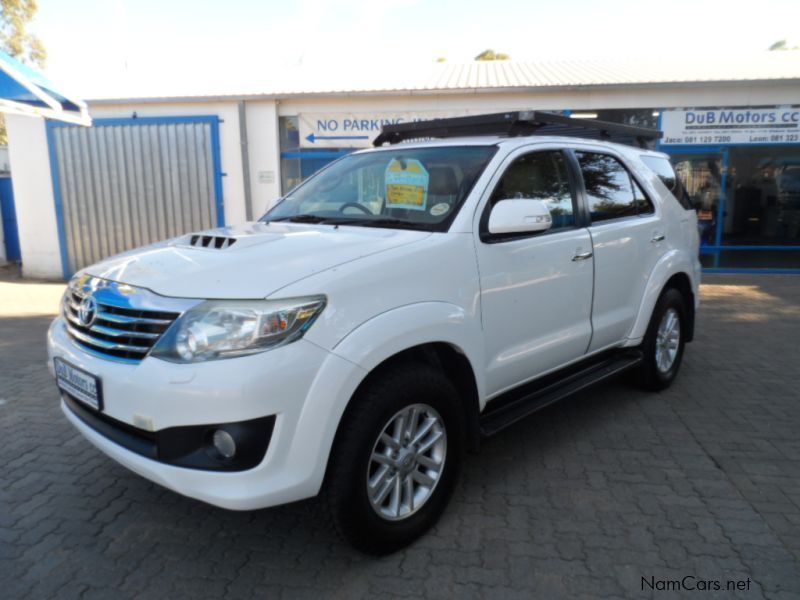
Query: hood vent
{"x": 215, "y": 242}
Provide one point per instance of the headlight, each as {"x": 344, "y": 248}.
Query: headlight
{"x": 227, "y": 328}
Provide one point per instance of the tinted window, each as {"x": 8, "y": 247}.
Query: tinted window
{"x": 539, "y": 176}
{"x": 608, "y": 187}
{"x": 663, "y": 168}
{"x": 643, "y": 204}
{"x": 610, "y": 191}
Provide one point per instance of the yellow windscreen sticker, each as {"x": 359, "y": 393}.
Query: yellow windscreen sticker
{"x": 406, "y": 184}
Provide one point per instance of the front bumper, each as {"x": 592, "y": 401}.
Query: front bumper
{"x": 190, "y": 446}
{"x": 302, "y": 385}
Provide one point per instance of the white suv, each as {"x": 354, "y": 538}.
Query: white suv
{"x": 382, "y": 318}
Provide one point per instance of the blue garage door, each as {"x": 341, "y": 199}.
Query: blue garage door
{"x": 124, "y": 183}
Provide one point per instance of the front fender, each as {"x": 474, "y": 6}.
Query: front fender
{"x": 401, "y": 328}
{"x": 673, "y": 262}
{"x": 349, "y": 363}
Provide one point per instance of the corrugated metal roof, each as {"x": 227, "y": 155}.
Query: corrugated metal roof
{"x": 499, "y": 75}
{"x": 567, "y": 73}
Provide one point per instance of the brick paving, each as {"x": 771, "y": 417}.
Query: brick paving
{"x": 582, "y": 500}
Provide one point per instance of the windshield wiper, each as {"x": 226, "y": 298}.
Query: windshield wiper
{"x": 360, "y": 221}
{"x": 302, "y": 218}
{"x": 386, "y": 222}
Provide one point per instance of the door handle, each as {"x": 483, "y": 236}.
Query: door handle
{"x": 582, "y": 256}
{"x": 658, "y": 237}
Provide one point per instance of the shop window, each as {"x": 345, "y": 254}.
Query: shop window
{"x": 701, "y": 178}
{"x": 763, "y": 197}
{"x": 298, "y": 164}
{"x": 638, "y": 117}
{"x": 745, "y": 197}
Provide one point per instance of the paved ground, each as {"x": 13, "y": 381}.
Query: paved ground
{"x": 585, "y": 499}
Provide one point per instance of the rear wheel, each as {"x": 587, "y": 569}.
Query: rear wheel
{"x": 664, "y": 342}
{"x": 396, "y": 458}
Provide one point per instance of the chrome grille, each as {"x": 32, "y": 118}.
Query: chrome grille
{"x": 122, "y": 328}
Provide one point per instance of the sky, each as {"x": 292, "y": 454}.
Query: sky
{"x": 96, "y": 47}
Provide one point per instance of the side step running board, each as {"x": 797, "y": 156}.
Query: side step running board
{"x": 518, "y": 404}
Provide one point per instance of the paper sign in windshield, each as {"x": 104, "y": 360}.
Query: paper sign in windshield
{"x": 406, "y": 184}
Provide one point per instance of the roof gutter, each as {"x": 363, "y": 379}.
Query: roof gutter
{"x": 440, "y": 91}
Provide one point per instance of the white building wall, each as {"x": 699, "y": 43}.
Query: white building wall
{"x": 5, "y": 166}
{"x": 33, "y": 188}
{"x": 33, "y": 196}
{"x": 264, "y": 154}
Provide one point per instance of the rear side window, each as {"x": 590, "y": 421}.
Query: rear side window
{"x": 643, "y": 204}
{"x": 610, "y": 191}
{"x": 663, "y": 168}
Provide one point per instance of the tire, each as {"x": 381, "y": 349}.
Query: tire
{"x": 662, "y": 353}
{"x": 381, "y": 526}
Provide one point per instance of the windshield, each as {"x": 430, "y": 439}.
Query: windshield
{"x": 411, "y": 188}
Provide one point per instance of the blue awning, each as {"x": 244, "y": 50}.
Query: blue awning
{"x": 27, "y": 92}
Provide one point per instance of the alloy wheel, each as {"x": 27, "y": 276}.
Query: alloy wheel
{"x": 668, "y": 340}
{"x": 407, "y": 462}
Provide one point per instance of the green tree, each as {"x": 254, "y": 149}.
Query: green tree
{"x": 490, "y": 54}
{"x": 16, "y": 40}
{"x": 782, "y": 45}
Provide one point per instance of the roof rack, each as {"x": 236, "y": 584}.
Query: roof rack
{"x": 518, "y": 123}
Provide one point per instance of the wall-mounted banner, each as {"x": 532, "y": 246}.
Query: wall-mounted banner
{"x": 357, "y": 130}
{"x": 780, "y": 125}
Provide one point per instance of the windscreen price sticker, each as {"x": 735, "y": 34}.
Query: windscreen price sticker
{"x": 406, "y": 184}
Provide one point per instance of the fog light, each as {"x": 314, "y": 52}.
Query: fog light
{"x": 224, "y": 443}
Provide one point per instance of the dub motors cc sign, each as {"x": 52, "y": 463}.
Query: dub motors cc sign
{"x": 780, "y": 125}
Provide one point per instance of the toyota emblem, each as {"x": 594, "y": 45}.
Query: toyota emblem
{"x": 87, "y": 311}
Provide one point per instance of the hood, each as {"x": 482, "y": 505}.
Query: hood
{"x": 247, "y": 261}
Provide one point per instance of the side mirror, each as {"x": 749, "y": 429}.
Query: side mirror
{"x": 519, "y": 216}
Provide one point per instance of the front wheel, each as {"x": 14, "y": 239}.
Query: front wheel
{"x": 396, "y": 458}
{"x": 664, "y": 342}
